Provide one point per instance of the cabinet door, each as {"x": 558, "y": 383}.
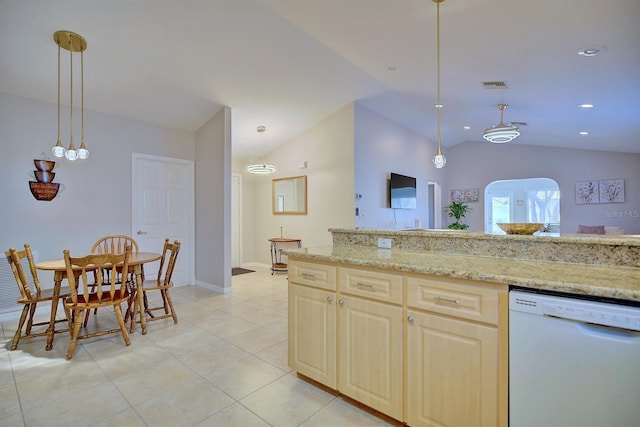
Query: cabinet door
{"x": 452, "y": 372}
{"x": 312, "y": 333}
{"x": 370, "y": 337}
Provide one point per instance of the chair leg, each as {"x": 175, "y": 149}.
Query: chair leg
{"x": 32, "y": 312}
{"x": 18, "y": 335}
{"x": 134, "y": 309}
{"x": 77, "y": 315}
{"x": 118, "y": 311}
{"x": 166, "y": 293}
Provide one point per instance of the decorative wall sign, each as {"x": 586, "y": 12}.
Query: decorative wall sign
{"x": 587, "y": 192}
{"x": 465, "y": 195}
{"x": 612, "y": 191}
{"x": 43, "y": 188}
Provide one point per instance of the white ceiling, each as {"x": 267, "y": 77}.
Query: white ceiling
{"x": 287, "y": 64}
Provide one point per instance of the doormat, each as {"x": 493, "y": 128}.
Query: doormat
{"x": 237, "y": 270}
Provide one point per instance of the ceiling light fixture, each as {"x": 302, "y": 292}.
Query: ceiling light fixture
{"x": 439, "y": 160}
{"x": 261, "y": 168}
{"x": 585, "y": 105}
{"x": 501, "y": 133}
{"x": 73, "y": 43}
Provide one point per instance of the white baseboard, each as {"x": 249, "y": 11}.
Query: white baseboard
{"x": 214, "y": 288}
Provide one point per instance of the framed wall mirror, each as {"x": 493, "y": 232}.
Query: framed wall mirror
{"x": 289, "y": 195}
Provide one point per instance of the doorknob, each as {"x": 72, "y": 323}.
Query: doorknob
{"x": 141, "y": 232}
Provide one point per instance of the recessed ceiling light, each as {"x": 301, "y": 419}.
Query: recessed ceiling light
{"x": 584, "y": 132}
{"x": 467, "y": 127}
{"x": 585, "y": 105}
{"x": 439, "y": 106}
{"x": 392, "y": 68}
{"x": 591, "y": 51}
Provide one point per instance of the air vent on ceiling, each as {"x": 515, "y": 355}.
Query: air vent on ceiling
{"x": 494, "y": 85}
{"x": 519, "y": 123}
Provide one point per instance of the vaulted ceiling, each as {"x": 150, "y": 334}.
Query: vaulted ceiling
{"x": 287, "y": 64}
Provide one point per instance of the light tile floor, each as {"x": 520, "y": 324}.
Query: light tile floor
{"x": 223, "y": 364}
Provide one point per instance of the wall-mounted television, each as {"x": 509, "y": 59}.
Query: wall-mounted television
{"x": 402, "y": 192}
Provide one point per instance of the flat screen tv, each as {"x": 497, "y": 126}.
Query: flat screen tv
{"x": 402, "y": 190}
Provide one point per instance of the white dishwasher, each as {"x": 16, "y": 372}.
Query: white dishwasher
{"x": 572, "y": 362}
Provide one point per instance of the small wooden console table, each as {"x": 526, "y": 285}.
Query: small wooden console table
{"x": 276, "y": 253}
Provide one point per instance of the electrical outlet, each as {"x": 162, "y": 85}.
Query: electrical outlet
{"x": 384, "y": 243}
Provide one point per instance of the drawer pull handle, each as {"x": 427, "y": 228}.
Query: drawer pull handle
{"x": 366, "y": 285}
{"x": 410, "y": 318}
{"x": 329, "y": 299}
{"x": 309, "y": 276}
{"x": 452, "y": 301}
{"x": 341, "y": 301}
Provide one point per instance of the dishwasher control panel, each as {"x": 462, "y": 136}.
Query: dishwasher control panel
{"x": 596, "y": 312}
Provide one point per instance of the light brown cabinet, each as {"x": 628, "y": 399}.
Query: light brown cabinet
{"x": 426, "y": 350}
{"x": 370, "y": 359}
{"x": 312, "y": 320}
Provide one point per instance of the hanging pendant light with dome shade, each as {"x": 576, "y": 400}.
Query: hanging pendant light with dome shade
{"x": 261, "y": 168}
{"x": 73, "y": 43}
{"x": 501, "y": 133}
{"x": 439, "y": 160}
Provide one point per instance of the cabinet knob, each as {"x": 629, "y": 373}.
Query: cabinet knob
{"x": 341, "y": 301}
{"x": 329, "y": 299}
{"x": 410, "y": 318}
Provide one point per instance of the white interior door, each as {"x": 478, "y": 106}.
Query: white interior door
{"x": 499, "y": 208}
{"x": 236, "y": 220}
{"x": 163, "y": 199}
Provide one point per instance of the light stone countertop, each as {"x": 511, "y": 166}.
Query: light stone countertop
{"x": 617, "y": 282}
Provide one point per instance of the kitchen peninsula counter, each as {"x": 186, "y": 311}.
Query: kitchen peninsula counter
{"x": 588, "y": 265}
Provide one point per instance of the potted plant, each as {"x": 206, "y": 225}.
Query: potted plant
{"x": 457, "y": 210}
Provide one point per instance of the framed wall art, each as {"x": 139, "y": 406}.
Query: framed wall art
{"x": 587, "y": 192}
{"x": 611, "y": 191}
{"x": 465, "y": 195}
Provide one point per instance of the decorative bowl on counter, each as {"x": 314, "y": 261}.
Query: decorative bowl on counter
{"x": 520, "y": 227}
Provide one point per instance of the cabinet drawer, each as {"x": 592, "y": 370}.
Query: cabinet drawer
{"x": 313, "y": 274}
{"x": 371, "y": 284}
{"x": 468, "y": 300}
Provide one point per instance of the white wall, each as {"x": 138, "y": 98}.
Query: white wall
{"x": 96, "y": 199}
{"x": 328, "y": 149}
{"x": 383, "y": 146}
{"x": 474, "y": 165}
{"x": 213, "y": 203}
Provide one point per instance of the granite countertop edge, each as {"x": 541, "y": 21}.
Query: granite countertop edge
{"x": 595, "y": 280}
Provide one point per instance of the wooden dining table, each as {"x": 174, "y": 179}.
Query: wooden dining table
{"x": 136, "y": 261}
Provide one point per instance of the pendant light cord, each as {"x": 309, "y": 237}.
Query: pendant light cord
{"x": 71, "y": 95}
{"x": 439, "y": 105}
{"x": 58, "y": 93}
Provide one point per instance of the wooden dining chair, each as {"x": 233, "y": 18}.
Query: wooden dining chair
{"x": 81, "y": 297}
{"x": 112, "y": 244}
{"x": 162, "y": 283}
{"x": 31, "y": 294}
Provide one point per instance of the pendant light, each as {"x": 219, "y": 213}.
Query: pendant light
{"x": 73, "y": 43}
{"x": 439, "y": 160}
{"x": 501, "y": 133}
{"x": 263, "y": 167}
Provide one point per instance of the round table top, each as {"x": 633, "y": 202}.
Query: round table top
{"x": 134, "y": 259}
{"x": 283, "y": 240}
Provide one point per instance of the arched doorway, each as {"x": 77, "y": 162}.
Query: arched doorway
{"x": 522, "y": 200}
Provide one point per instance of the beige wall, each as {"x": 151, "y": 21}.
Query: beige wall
{"x": 328, "y": 149}
{"x": 474, "y": 165}
{"x": 213, "y": 203}
{"x": 96, "y": 199}
{"x": 383, "y": 146}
